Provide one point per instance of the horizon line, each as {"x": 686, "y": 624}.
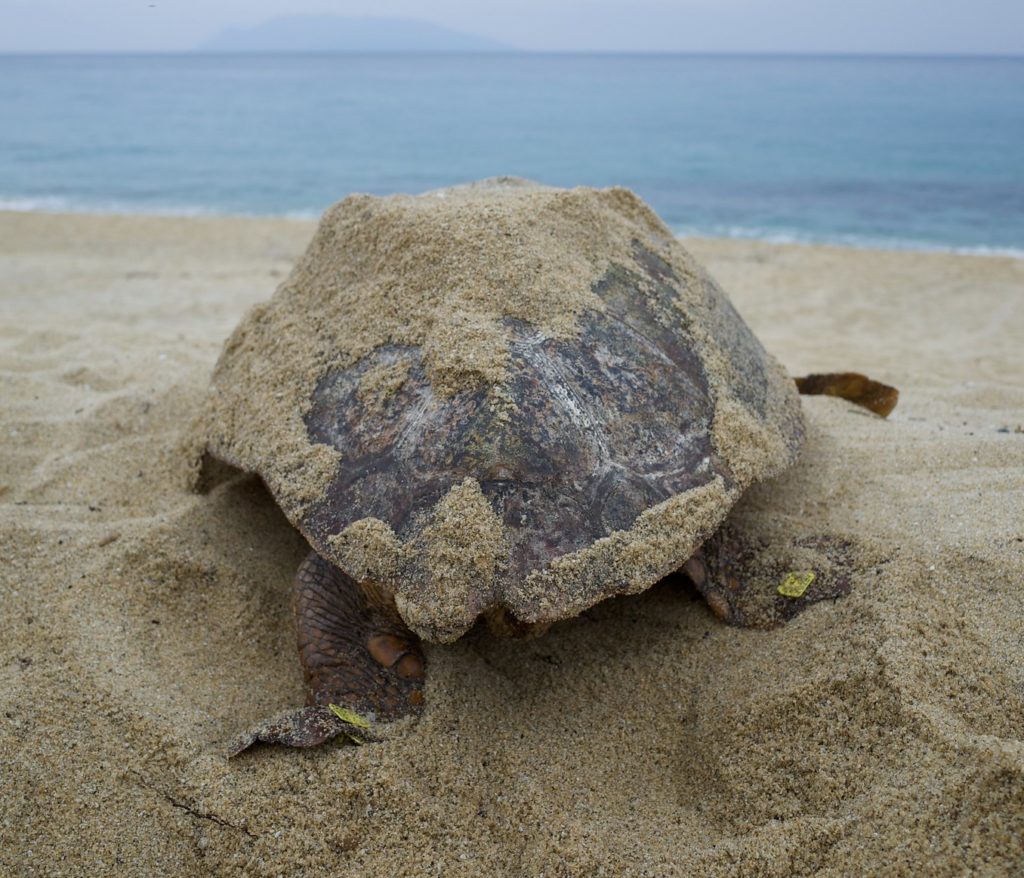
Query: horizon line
{"x": 696, "y": 53}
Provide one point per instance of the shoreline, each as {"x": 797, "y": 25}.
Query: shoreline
{"x": 796, "y": 239}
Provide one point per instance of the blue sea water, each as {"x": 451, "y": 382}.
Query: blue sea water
{"x": 919, "y": 152}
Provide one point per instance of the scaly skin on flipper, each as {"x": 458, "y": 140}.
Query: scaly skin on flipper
{"x": 305, "y": 727}
{"x": 354, "y": 648}
{"x": 356, "y": 653}
{"x": 852, "y": 386}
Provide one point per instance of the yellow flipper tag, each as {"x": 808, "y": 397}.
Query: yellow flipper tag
{"x": 795, "y": 584}
{"x": 350, "y": 717}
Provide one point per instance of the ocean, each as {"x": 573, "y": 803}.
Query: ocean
{"x": 873, "y": 151}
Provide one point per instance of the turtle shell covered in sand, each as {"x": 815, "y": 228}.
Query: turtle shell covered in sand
{"x": 499, "y": 400}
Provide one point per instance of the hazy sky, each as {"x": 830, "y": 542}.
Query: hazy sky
{"x": 981, "y": 26}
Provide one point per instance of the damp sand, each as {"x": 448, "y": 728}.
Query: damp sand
{"x": 144, "y": 624}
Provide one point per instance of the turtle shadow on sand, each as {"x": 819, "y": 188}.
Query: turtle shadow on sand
{"x": 508, "y": 403}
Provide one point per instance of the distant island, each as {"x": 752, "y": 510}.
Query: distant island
{"x": 330, "y": 33}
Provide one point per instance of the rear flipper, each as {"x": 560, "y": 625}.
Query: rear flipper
{"x": 852, "y": 386}
{"x": 758, "y": 586}
{"x": 361, "y": 663}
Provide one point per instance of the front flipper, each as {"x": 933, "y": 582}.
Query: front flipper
{"x": 357, "y": 656}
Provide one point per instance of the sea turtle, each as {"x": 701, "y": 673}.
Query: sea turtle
{"x": 498, "y": 400}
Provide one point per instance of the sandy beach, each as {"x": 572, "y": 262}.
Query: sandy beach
{"x": 144, "y": 624}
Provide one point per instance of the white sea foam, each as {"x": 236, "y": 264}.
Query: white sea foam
{"x": 856, "y": 242}
{"x": 61, "y": 204}
{"x": 46, "y": 204}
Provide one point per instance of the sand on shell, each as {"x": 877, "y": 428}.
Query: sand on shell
{"x": 144, "y": 624}
{"x": 443, "y": 273}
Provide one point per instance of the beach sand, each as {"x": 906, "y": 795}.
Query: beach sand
{"x": 142, "y": 624}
